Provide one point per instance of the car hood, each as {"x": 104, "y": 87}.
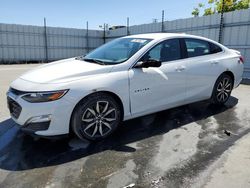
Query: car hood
{"x": 64, "y": 71}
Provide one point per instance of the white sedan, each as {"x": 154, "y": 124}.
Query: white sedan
{"x": 123, "y": 79}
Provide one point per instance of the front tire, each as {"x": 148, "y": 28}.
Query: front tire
{"x": 222, "y": 89}
{"x": 96, "y": 117}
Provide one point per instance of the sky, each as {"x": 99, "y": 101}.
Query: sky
{"x": 75, "y": 13}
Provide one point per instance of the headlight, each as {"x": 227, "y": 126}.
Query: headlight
{"x": 44, "y": 96}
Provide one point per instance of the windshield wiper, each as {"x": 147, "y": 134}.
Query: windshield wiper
{"x": 97, "y": 61}
{"x": 79, "y": 58}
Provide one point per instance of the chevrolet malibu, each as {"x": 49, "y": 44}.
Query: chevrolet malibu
{"x": 123, "y": 79}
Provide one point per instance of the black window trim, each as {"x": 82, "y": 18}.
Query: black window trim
{"x": 183, "y": 50}
{"x": 160, "y": 42}
{"x": 210, "y": 47}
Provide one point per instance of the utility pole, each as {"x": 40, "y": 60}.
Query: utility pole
{"x": 104, "y": 31}
{"x": 87, "y": 37}
{"x": 128, "y": 26}
{"x": 45, "y": 41}
{"x": 221, "y": 21}
{"x": 162, "y": 21}
{"x": 154, "y": 20}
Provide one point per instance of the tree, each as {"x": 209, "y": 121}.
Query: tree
{"x": 208, "y": 11}
{"x": 196, "y": 12}
{"x": 215, "y": 6}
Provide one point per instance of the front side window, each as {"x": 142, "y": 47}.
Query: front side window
{"x": 117, "y": 51}
{"x": 196, "y": 47}
{"x": 168, "y": 50}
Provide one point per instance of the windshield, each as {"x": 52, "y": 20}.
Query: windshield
{"x": 116, "y": 51}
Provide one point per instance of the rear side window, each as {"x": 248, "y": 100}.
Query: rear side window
{"x": 214, "y": 48}
{"x": 196, "y": 47}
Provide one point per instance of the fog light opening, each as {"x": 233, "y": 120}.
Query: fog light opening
{"x": 39, "y": 119}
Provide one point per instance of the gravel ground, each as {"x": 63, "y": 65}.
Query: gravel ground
{"x": 182, "y": 147}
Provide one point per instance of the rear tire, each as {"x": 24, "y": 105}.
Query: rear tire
{"x": 222, "y": 89}
{"x": 96, "y": 117}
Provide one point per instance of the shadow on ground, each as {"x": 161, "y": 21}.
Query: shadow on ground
{"x": 21, "y": 152}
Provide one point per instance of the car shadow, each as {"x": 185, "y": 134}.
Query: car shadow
{"x": 21, "y": 152}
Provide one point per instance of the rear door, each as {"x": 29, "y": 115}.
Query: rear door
{"x": 203, "y": 68}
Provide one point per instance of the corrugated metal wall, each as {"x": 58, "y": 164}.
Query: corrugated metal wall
{"x": 236, "y": 31}
{"x": 27, "y": 43}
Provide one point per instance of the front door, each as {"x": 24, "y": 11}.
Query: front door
{"x": 153, "y": 89}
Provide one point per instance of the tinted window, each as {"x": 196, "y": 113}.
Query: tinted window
{"x": 154, "y": 53}
{"x": 196, "y": 47}
{"x": 168, "y": 50}
{"x": 214, "y": 48}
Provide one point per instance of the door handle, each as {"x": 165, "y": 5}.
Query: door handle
{"x": 181, "y": 68}
{"x": 214, "y": 62}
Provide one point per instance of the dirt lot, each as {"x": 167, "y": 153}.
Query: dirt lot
{"x": 182, "y": 147}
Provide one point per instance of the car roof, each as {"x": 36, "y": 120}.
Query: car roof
{"x": 159, "y": 36}
{"x": 156, "y": 35}
{"x": 162, "y": 36}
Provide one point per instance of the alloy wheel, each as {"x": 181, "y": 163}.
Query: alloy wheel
{"x": 224, "y": 89}
{"x": 97, "y": 120}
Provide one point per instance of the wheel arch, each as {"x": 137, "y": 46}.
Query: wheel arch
{"x": 115, "y": 96}
{"x": 230, "y": 73}
{"x": 227, "y": 72}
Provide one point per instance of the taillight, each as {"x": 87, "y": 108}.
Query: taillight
{"x": 241, "y": 59}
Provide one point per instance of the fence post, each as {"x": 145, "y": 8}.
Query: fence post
{"x": 87, "y": 36}
{"x": 221, "y": 22}
{"x": 162, "y": 21}
{"x": 45, "y": 41}
{"x": 128, "y": 26}
{"x": 104, "y": 33}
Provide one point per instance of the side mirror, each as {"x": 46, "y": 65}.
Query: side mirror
{"x": 148, "y": 63}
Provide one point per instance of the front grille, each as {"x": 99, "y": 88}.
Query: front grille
{"x": 14, "y": 107}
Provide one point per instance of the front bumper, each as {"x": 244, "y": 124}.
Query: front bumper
{"x": 43, "y": 119}
{"x": 34, "y": 127}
